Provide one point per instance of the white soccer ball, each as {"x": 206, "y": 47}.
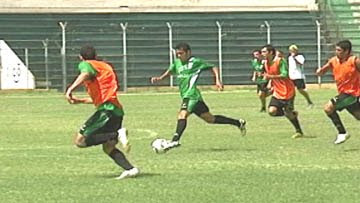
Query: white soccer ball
{"x": 158, "y": 145}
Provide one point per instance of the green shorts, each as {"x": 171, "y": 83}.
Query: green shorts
{"x": 102, "y": 121}
{"x": 345, "y": 101}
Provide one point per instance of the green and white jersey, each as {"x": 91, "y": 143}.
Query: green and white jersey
{"x": 258, "y": 67}
{"x": 187, "y": 76}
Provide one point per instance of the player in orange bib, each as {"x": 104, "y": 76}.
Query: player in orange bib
{"x": 282, "y": 100}
{"x": 104, "y": 126}
{"x": 346, "y": 71}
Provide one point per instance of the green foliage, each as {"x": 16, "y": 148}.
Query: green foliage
{"x": 38, "y": 162}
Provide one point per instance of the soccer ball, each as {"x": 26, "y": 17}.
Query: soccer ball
{"x": 158, "y": 145}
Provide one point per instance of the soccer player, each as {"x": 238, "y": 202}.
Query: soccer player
{"x": 296, "y": 72}
{"x": 187, "y": 68}
{"x": 104, "y": 126}
{"x": 258, "y": 70}
{"x": 282, "y": 100}
{"x": 346, "y": 71}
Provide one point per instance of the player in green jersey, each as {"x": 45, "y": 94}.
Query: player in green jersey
{"x": 187, "y": 68}
{"x": 258, "y": 71}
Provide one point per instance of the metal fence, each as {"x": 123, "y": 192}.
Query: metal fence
{"x": 142, "y": 50}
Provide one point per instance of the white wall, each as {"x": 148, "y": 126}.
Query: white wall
{"x": 154, "y": 5}
{"x": 13, "y": 72}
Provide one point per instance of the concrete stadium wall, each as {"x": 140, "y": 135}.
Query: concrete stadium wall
{"x": 86, "y": 6}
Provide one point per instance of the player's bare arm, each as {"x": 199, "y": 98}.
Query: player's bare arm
{"x": 156, "y": 79}
{"x": 78, "y": 81}
{"x": 357, "y": 64}
{"x": 322, "y": 70}
{"x": 218, "y": 82}
{"x": 87, "y": 100}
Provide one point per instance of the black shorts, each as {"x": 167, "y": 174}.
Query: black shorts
{"x": 102, "y": 121}
{"x": 262, "y": 87}
{"x": 282, "y": 104}
{"x": 299, "y": 83}
{"x": 346, "y": 101}
{"x": 198, "y": 108}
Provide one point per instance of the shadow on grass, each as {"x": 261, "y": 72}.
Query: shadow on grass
{"x": 351, "y": 150}
{"x": 141, "y": 175}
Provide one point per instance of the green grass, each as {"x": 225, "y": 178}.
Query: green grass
{"x": 38, "y": 162}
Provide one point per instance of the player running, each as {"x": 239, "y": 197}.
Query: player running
{"x": 282, "y": 100}
{"x": 104, "y": 126}
{"x": 346, "y": 71}
{"x": 258, "y": 78}
{"x": 187, "y": 69}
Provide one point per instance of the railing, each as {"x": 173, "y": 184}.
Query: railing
{"x": 329, "y": 20}
{"x": 139, "y": 52}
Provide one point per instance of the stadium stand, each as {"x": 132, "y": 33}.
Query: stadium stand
{"x": 347, "y": 17}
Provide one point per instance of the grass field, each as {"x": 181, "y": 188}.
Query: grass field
{"x": 38, "y": 162}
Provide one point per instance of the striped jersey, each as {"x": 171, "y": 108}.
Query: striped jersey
{"x": 187, "y": 74}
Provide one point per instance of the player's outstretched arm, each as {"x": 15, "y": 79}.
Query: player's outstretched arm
{"x": 81, "y": 100}
{"x": 322, "y": 70}
{"x": 156, "y": 79}
{"x": 218, "y": 83}
{"x": 78, "y": 81}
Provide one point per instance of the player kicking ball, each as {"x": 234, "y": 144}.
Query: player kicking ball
{"x": 346, "y": 71}
{"x": 104, "y": 126}
{"x": 187, "y": 68}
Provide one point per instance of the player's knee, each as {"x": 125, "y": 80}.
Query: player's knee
{"x": 328, "y": 109}
{"x": 80, "y": 144}
{"x": 182, "y": 114}
{"x": 108, "y": 147}
{"x": 79, "y": 141}
{"x": 272, "y": 111}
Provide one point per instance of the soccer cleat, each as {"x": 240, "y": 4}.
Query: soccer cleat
{"x": 171, "y": 144}
{"x": 123, "y": 138}
{"x": 341, "y": 138}
{"x": 263, "y": 110}
{"x": 128, "y": 173}
{"x": 242, "y": 127}
{"x": 297, "y": 135}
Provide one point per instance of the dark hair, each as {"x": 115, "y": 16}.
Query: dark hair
{"x": 256, "y": 51}
{"x": 184, "y": 46}
{"x": 345, "y": 45}
{"x": 88, "y": 52}
{"x": 270, "y": 48}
